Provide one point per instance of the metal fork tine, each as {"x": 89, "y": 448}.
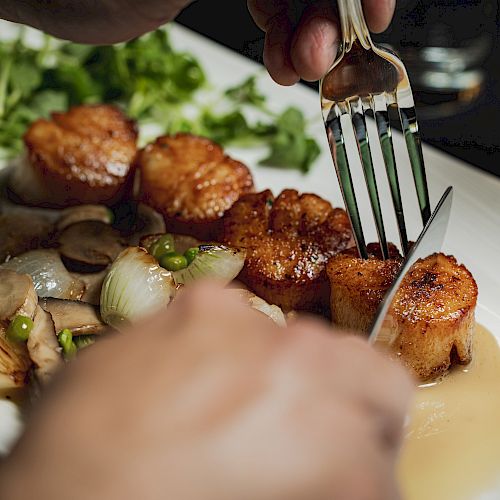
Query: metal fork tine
{"x": 379, "y": 105}
{"x": 409, "y": 124}
{"x": 365, "y": 155}
{"x": 337, "y": 146}
{"x": 348, "y": 81}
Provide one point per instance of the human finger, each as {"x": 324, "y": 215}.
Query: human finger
{"x": 264, "y": 11}
{"x": 378, "y": 14}
{"x": 277, "y": 50}
{"x": 350, "y": 367}
{"x": 315, "y": 42}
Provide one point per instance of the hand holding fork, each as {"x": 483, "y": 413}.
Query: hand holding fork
{"x": 303, "y": 36}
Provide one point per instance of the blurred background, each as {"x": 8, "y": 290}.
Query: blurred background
{"x": 450, "y": 48}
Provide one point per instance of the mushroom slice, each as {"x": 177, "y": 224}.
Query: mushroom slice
{"x": 81, "y": 213}
{"x": 22, "y": 232}
{"x": 18, "y": 295}
{"x": 148, "y": 221}
{"x": 90, "y": 245}
{"x": 50, "y": 277}
{"x": 81, "y": 318}
{"x": 43, "y": 347}
{"x": 18, "y": 298}
{"x": 93, "y": 285}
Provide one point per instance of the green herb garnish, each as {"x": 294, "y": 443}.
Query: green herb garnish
{"x": 65, "y": 339}
{"x": 153, "y": 83}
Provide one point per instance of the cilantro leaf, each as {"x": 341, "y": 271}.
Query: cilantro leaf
{"x": 290, "y": 147}
{"x": 25, "y": 77}
{"x": 246, "y": 93}
{"x": 226, "y": 128}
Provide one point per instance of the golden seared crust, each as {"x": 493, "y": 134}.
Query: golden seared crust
{"x": 191, "y": 182}
{"x": 432, "y": 315}
{"x": 435, "y": 315}
{"x": 81, "y": 156}
{"x": 288, "y": 241}
{"x": 357, "y": 287}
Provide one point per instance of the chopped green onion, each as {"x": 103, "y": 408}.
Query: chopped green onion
{"x": 82, "y": 341}
{"x": 215, "y": 262}
{"x": 65, "y": 338}
{"x": 111, "y": 215}
{"x": 190, "y": 254}
{"x": 162, "y": 246}
{"x": 20, "y": 328}
{"x": 173, "y": 261}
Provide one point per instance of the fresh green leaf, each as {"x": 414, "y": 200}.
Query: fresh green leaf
{"x": 47, "y": 101}
{"x": 292, "y": 121}
{"x": 246, "y": 93}
{"x": 291, "y": 147}
{"x": 153, "y": 83}
{"x": 25, "y": 77}
{"x": 225, "y": 128}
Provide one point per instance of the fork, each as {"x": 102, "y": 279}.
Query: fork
{"x": 367, "y": 79}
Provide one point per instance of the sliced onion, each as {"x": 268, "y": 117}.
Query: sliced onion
{"x": 270, "y": 310}
{"x": 14, "y": 359}
{"x": 135, "y": 286}
{"x": 215, "y": 262}
{"x": 50, "y": 277}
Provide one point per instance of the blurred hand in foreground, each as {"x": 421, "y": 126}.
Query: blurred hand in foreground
{"x": 302, "y": 36}
{"x": 91, "y": 21}
{"x": 212, "y": 400}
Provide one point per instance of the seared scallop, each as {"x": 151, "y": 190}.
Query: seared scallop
{"x": 191, "y": 182}
{"x": 431, "y": 318}
{"x": 359, "y": 285}
{"x": 288, "y": 242}
{"x": 82, "y": 156}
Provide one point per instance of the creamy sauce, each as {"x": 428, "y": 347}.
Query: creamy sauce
{"x": 452, "y": 446}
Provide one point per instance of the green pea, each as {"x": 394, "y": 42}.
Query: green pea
{"x": 162, "y": 246}
{"x": 190, "y": 254}
{"x": 82, "y": 341}
{"x": 173, "y": 261}
{"x": 65, "y": 338}
{"x": 20, "y": 328}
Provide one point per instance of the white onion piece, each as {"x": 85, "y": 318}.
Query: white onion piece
{"x": 50, "y": 277}
{"x": 134, "y": 287}
{"x": 270, "y": 310}
{"x": 215, "y": 262}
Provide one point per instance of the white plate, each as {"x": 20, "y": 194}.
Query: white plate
{"x": 474, "y": 232}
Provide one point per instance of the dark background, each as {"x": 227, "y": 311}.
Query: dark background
{"x": 467, "y": 131}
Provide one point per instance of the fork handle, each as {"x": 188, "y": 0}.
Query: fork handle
{"x": 353, "y": 24}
